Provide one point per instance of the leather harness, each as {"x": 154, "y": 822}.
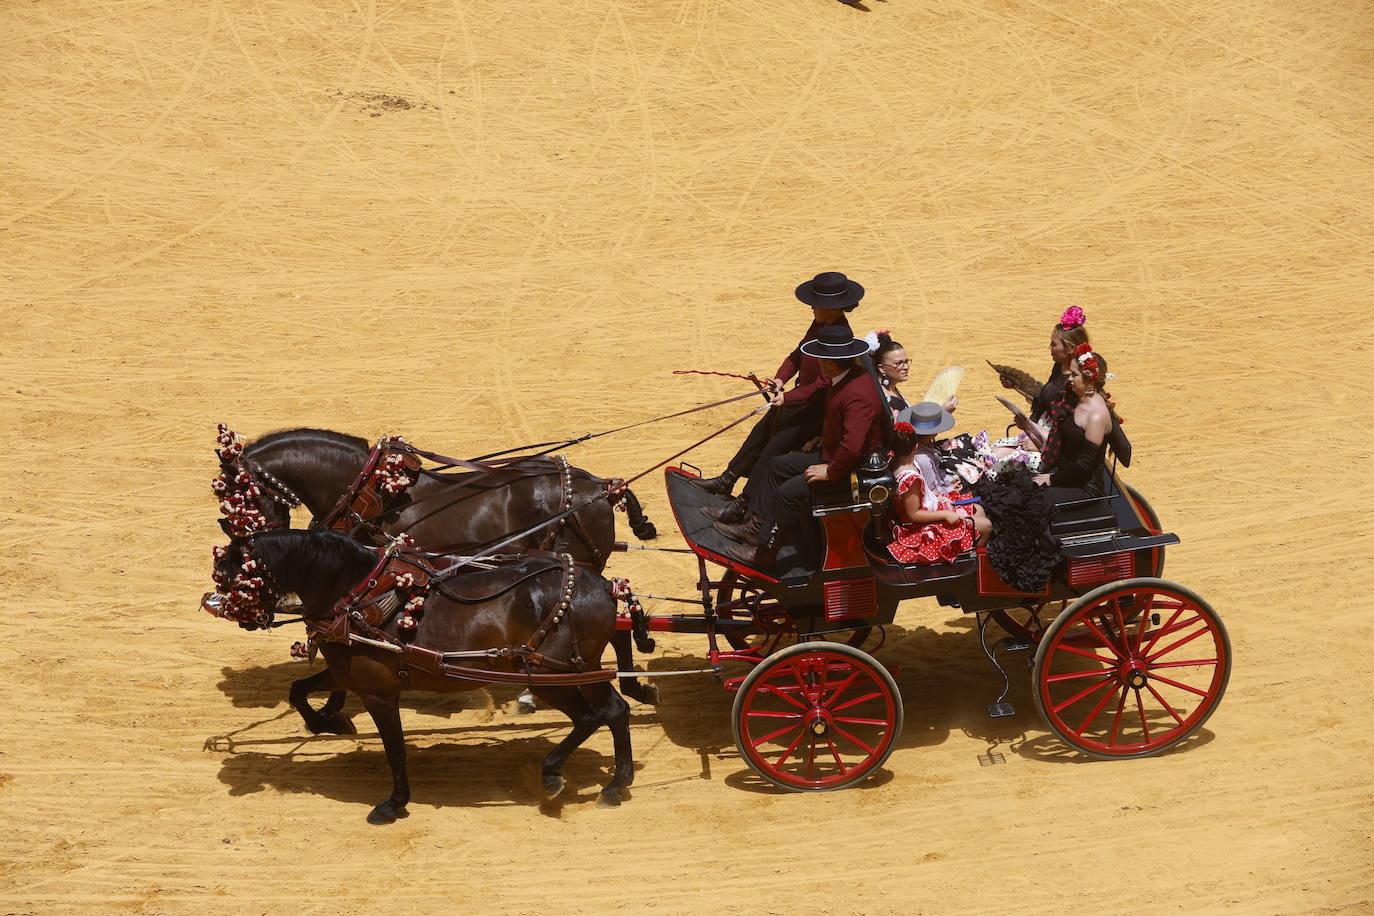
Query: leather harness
{"x": 362, "y": 615}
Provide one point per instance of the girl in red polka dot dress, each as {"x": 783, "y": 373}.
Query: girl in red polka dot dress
{"x": 930, "y": 528}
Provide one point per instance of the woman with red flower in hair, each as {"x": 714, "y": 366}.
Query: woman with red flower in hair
{"x": 929, "y": 527}
{"x": 1080, "y": 425}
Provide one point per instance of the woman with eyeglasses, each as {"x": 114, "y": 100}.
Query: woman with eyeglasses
{"x": 894, "y": 367}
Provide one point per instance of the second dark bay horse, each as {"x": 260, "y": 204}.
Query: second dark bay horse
{"x": 445, "y": 512}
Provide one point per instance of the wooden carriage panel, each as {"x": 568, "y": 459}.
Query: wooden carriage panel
{"x": 850, "y": 598}
{"x": 1084, "y": 571}
{"x": 989, "y": 583}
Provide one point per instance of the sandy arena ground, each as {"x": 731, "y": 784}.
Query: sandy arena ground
{"x": 483, "y": 223}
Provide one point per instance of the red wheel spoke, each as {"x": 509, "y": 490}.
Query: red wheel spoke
{"x": 1158, "y": 633}
{"x": 1064, "y": 647}
{"x": 770, "y": 714}
{"x": 1121, "y": 625}
{"x": 1106, "y": 698}
{"x": 1144, "y": 725}
{"x": 856, "y": 701}
{"x": 1162, "y": 604}
{"x": 1165, "y": 680}
{"x": 777, "y": 692}
{"x": 1102, "y": 636}
{"x": 1192, "y": 663}
{"x": 1116, "y": 721}
{"x": 1186, "y": 639}
{"x": 811, "y": 760}
{"x": 868, "y": 750}
{"x": 777, "y": 764}
{"x": 771, "y": 735}
{"x": 844, "y": 685}
{"x": 849, "y": 721}
{"x": 1108, "y": 678}
{"x": 1155, "y": 693}
{"x": 1075, "y": 675}
{"x": 835, "y": 752}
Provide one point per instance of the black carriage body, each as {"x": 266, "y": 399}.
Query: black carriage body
{"x": 850, "y": 580}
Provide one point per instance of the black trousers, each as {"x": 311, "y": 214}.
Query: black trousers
{"x": 783, "y": 489}
{"x": 780, "y": 430}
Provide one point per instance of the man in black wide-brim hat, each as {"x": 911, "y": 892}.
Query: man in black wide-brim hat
{"x": 799, "y": 415}
{"x": 852, "y": 427}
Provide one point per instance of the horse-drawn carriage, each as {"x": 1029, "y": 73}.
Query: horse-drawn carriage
{"x": 1124, "y": 663}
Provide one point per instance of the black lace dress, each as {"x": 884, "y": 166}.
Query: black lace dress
{"x": 1073, "y": 463}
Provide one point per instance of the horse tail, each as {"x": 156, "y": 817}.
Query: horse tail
{"x": 639, "y": 522}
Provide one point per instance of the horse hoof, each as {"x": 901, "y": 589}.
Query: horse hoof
{"x": 523, "y": 708}
{"x": 553, "y": 785}
{"x": 387, "y": 813}
{"x": 646, "y": 532}
{"x": 609, "y": 798}
{"x": 649, "y": 695}
{"x": 336, "y": 725}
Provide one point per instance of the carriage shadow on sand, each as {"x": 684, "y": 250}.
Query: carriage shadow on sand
{"x": 946, "y": 683}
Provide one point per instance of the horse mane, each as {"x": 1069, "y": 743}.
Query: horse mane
{"x": 306, "y": 433}
{"x": 321, "y": 556}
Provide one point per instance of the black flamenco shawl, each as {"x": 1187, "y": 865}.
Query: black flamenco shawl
{"x": 1022, "y": 551}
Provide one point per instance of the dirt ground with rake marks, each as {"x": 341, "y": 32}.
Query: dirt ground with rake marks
{"x": 485, "y": 223}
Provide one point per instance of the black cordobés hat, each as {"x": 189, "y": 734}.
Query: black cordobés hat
{"x": 834, "y": 341}
{"x": 830, "y": 290}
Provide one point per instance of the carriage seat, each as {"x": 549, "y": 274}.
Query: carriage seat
{"x": 1102, "y": 525}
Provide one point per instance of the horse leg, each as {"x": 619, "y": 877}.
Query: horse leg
{"x": 572, "y": 704}
{"x": 329, "y": 718}
{"x": 625, "y": 661}
{"x": 386, "y": 713}
{"x": 615, "y": 712}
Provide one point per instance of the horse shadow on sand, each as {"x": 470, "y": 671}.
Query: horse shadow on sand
{"x": 493, "y": 760}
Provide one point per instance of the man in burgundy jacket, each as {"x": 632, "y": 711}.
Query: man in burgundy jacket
{"x": 852, "y": 427}
{"x": 799, "y": 414}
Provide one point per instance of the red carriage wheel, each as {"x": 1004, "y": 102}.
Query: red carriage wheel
{"x": 1131, "y": 668}
{"x": 817, "y": 716}
{"x": 736, "y": 599}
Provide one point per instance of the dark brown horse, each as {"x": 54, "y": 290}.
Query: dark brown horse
{"x": 468, "y": 612}
{"x": 316, "y": 466}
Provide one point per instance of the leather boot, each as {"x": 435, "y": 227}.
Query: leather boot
{"x": 760, "y": 555}
{"x": 745, "y": 532}
{"x": 717, "y": 486}
{"x": 732, "y": 513}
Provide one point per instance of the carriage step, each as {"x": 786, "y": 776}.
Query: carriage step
{"x": 1012, "y": 644}
{"x": 1001, "y": 710}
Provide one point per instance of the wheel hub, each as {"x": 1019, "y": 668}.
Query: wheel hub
{"x": 818, "y": 722}
{"x": 1135, "y": 675}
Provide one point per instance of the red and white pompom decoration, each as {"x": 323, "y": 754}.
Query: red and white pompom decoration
{"x": 405, "y": 580}
{"x": 230, "y": 444}
{"x": 620, "y": 589}
{"x": 393, "y": 476}
{"x": 303, "y": 650}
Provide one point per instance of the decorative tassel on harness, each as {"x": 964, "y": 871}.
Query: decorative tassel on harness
{"x": 621, "y": 591}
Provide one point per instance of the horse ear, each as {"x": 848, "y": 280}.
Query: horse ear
{"x": 224, "y": 526}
